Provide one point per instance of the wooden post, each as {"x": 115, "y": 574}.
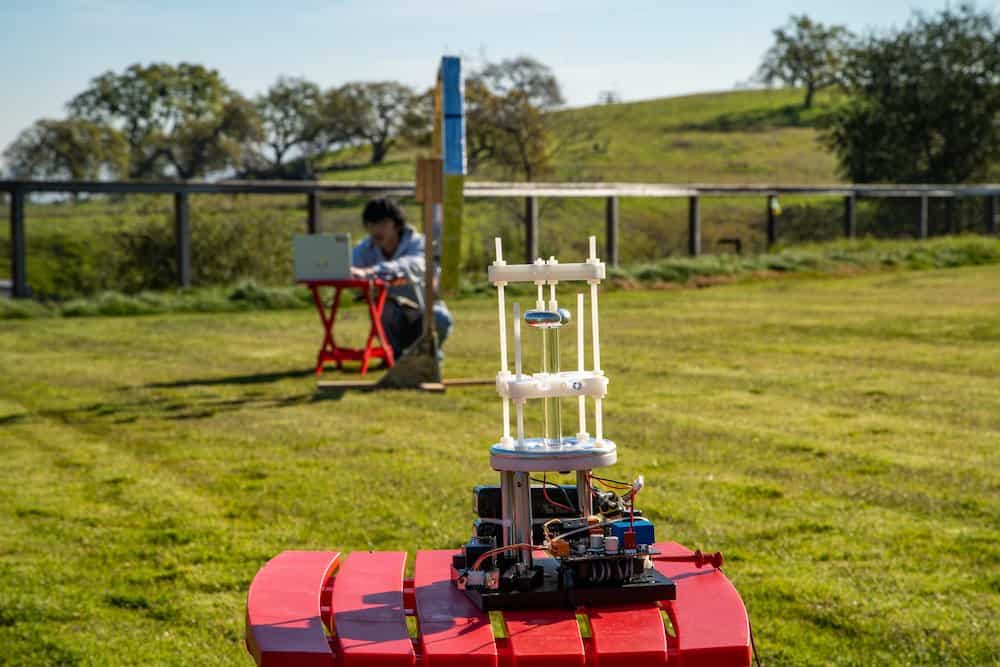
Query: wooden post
{"x": 772, "y": 232}
{"x": 530, "y": 229}
{"x": 611, "y": 230}
{"x": 182, "y": 238}
{"x": 991, "y": 215}
{"x": 313, "y": 205}
{"x": 694, "y": 227}
{"x": 923, "y": 216}
{"x": 18, "y": 268}
{"x": 850, "y": 219}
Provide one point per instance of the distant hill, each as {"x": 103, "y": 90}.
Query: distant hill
{"x": 747, "y": 136}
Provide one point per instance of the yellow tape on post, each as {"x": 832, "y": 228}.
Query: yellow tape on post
{"x": 451, "y": 232}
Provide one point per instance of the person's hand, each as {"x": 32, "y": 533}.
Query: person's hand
{"x": 361, "y": 272}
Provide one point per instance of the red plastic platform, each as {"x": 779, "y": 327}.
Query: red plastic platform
{"x": 315, "y": 608}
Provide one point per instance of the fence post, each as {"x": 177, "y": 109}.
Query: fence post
{"x": 923, "y": 216}
{"x": 694, "y": 227}
{"x": 18, "y": 268}
{"x": 772, "y": 233}
{"x": 611, "y": 230}
{"x": 850, "y": 220}
{"x": 530, "y": 229}
{"x": 182, "y": 237}
{"x": 314, "y": 220}
{"x": 991, "y": 215}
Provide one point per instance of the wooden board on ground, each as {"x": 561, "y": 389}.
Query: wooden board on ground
{"x": 340, "y": 385}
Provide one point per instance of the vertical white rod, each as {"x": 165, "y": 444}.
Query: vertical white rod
{"x": 502, "y": 312}
{"x": 540, "y": 302}
{"x": 598, "y": 421}
{"x": 518, "y": 405}
{"x": 553, "y": 304}
{"x": 517, "y": 340}
{"x": 579, "y": 359}
{"x": 595, "y": 333}
{"x": 502, "y": 318}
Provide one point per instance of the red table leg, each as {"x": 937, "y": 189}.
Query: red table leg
{"x": 328, "y": 351}
{"x": 375, "y": 309}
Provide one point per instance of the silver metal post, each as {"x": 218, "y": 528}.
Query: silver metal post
{"x": 583, "y": 493}
{"x": 522, "y": 514}
{"x": 507, "y": 507}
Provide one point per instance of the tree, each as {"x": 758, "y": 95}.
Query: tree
{"x": 805, "y": 53}
{"x": 73, "y": 149}
{"x": 290, "y": 120}
{"x": 183, "y": 118}
{"x": 508, "y": 107}
{"x": 378, "y": 112}
{"x": 924, "y": 102}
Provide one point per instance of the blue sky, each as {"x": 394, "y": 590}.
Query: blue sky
{"x": 49, "y": 50}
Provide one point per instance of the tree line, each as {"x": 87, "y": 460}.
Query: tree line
{"x": 919, "y": 104}
{"x": 185, "y": 121}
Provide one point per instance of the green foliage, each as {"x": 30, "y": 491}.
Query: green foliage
{"x": 805, "y": 53}
{"x": 832, "y": 438}
{"x": 182, "y": 119}
{"x": 509, "y": 120}
{"x": 377, "y": 112}
{"x": 74, "y": 149}
{"x": 833, "y": 258}
{"x": 924, "y": 102}
{"x": 290, "y": 113}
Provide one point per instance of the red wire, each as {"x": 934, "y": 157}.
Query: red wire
{"x": 545, "y": 494}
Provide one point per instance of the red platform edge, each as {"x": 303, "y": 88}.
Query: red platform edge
{"x": 314, "y": 608}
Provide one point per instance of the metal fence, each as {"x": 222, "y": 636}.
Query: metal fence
{"x": 529, "y": 192}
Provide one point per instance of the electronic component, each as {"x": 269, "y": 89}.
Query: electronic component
{"x": 644, "y": 533}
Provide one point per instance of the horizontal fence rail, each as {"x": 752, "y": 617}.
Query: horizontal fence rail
{"x": 18, "y": 191}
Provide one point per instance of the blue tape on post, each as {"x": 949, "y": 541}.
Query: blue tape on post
{"x": 453, "y": 115}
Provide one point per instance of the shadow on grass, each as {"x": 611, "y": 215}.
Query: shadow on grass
{"x": 257, "y": 378}
{"x": 755, "y": 120}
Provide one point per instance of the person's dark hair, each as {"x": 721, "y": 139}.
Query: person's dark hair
{"x": 381, "y": 209}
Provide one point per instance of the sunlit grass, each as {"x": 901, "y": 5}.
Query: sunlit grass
{"x": 836, "y": 439}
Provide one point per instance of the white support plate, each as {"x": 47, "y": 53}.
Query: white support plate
{"x": 546, "y": 272}
{"x": 552, "y": 385}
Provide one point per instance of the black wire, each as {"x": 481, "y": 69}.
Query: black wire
{"x": 611, "y": 481}
{"x": 569, "y": 501}
{"x": 753, "y": 645}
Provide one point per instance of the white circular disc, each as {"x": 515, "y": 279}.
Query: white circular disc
{"x": 537, "y": 456}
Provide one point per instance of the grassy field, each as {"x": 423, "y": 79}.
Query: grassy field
{"x": 836, "y": 438}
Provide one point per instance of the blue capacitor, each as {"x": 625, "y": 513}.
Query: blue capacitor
{"x": 644, "y": 533}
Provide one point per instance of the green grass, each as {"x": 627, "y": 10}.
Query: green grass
{"x": 836, "y": 438}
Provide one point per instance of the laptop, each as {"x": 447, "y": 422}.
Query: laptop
{"x": 322, "y": 256}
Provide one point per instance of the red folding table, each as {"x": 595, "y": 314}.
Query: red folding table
{"x": 312, "y": 608}
{"x": 375, "y": 292}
